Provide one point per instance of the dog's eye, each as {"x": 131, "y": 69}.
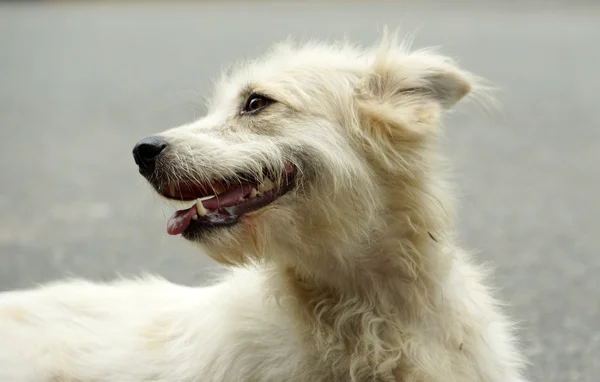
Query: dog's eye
{"x": 255, "y": 103}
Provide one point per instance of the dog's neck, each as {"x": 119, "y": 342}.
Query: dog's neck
{"x": 403, "y": 263}
{"x": 361, "y": 290}
{"x": 363, "y": 307}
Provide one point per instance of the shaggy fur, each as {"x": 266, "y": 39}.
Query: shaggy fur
{"x": 354, "y": 275}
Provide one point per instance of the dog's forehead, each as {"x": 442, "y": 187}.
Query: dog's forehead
{"x": 288, "y": 66}
{"x": 286, "y": 61}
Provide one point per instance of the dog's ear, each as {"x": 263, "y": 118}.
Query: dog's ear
{"x": 410, "y": 90}
{"x": 393, "y": 73}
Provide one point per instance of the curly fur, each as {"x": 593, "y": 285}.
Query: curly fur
{"x": 352, "y": 276}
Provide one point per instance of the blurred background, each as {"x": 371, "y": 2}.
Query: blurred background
{"x": 81, "y": 82}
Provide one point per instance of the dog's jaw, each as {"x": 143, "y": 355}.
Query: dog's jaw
{"x": 204, "y": 208}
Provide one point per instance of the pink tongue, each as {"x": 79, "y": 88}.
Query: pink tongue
{"x": 180, "y": 221}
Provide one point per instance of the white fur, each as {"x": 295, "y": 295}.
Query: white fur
{"x": 352, "y": 276}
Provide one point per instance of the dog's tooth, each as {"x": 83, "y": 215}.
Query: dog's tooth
{"x": 269, "y": 184}
{"x": 241, "y": 199}
{"x": 266, "y": 185}
{"x": 253, "y": 193}
{"x": 195, "y": 217}
{"x": 200, "y": 208}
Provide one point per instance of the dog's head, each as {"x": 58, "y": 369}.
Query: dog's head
{"x": 306, "y": 148}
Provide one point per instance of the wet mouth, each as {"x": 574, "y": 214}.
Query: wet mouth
{"x": 220, "y": 204}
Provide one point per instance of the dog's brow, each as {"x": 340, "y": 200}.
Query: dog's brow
{"x": 256, "y": 89}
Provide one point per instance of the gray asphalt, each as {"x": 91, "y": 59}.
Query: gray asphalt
{"x": 80, "y": 84}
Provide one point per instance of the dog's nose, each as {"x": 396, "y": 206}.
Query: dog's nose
{"x": 146, "y": 151}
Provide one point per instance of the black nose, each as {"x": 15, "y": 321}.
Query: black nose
{"x": 146, "y": 151}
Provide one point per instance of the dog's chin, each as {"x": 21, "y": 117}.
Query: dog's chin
{"x": 206, "y": 233}
{"x": 234, "y": 244}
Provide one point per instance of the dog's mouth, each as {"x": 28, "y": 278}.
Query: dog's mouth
{"x": 219, "y": 204}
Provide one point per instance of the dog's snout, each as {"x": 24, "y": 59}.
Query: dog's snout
{"x": 146, "y": 151}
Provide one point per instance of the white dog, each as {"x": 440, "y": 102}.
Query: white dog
{"x": 332, "y": 210}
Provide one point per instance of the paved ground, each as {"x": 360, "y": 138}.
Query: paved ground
{"x": 80, "y": 84}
